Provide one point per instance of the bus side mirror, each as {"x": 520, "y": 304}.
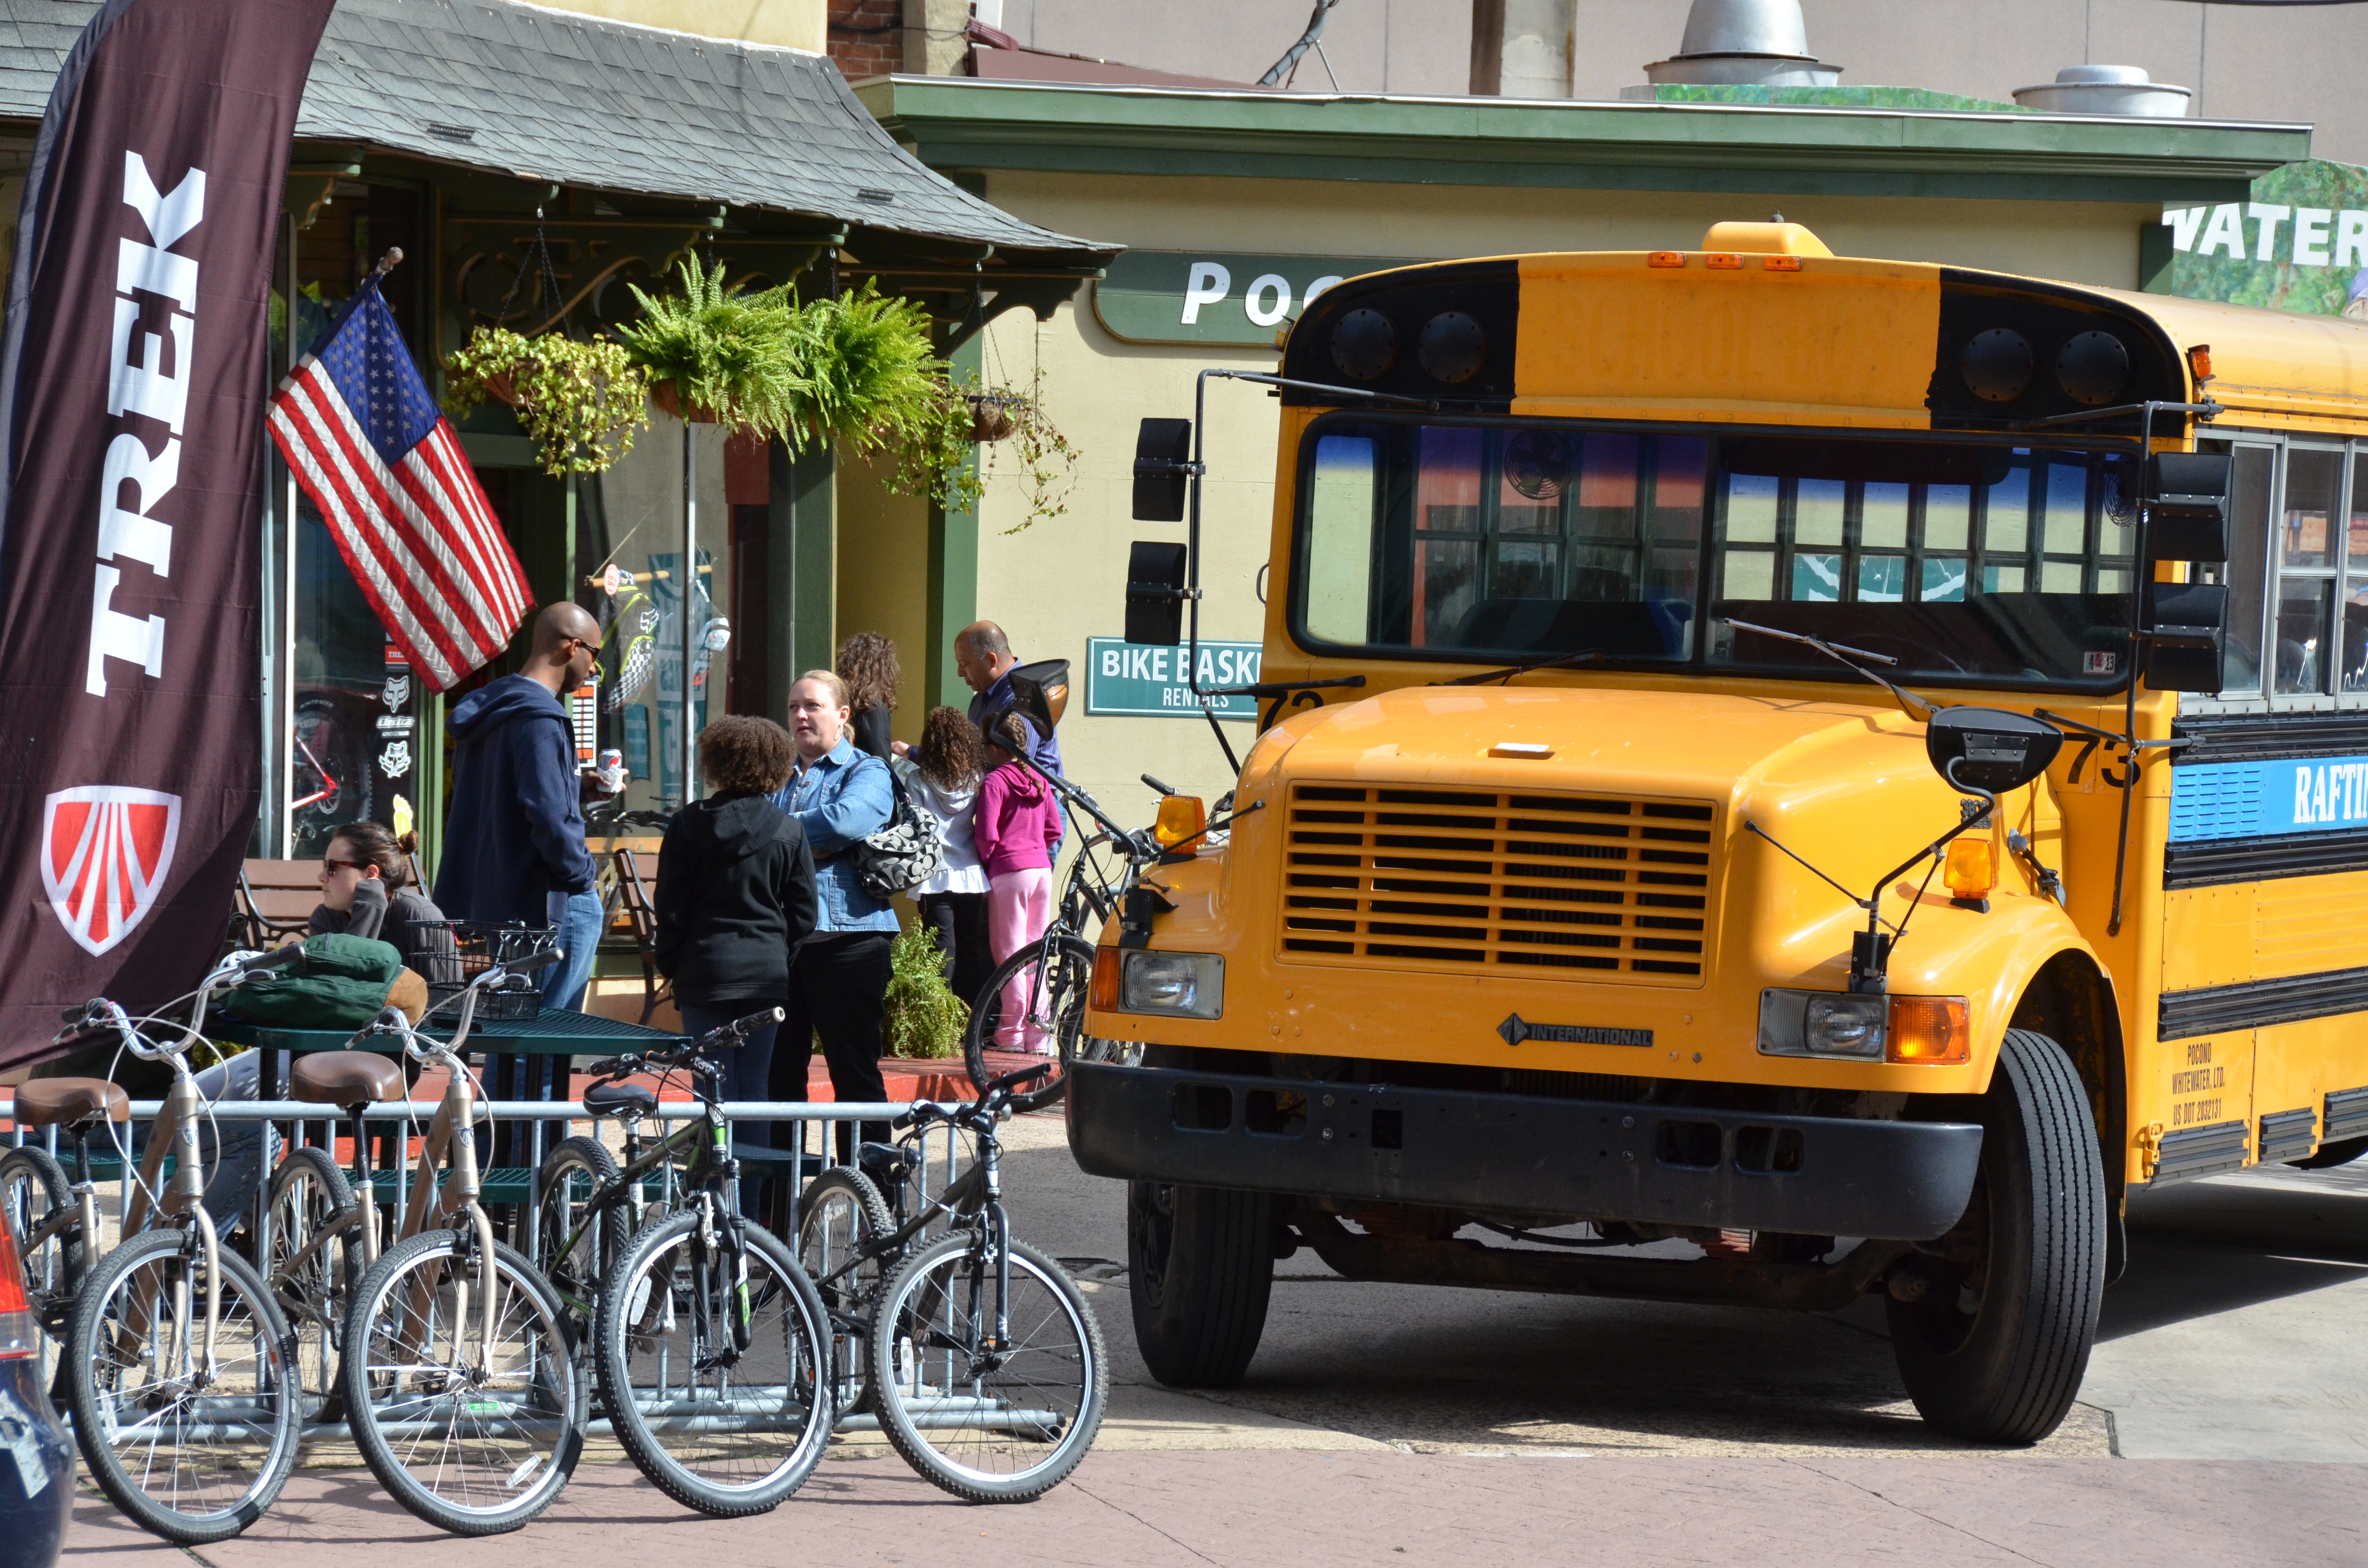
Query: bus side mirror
{"x": 1989, "y": 749}
{"x": 2190, "y": 506}
{"x": 1154, "y": 591}
{"x": 1163, "y": 465}
{"x": 2183, "y": 625}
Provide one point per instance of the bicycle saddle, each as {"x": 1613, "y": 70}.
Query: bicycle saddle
{"x": 620, "y": 1099}
{"x": 43, "y": 1102}
{"x": 345, "y": 1077}
{"x": 884, "y": 1163}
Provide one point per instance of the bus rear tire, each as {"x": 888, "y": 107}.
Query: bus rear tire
{"x": 1994, "y": 1349}
{"x": 1200, "y": 1263}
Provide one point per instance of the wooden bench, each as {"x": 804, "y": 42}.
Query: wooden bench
{"x": 274, "y": 897}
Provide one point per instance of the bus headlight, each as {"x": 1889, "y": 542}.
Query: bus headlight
{"x": 1932, "y": 1030}
{"x": 1183, "y": 985}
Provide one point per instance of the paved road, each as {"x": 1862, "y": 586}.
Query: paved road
{"x": 2235, "y": 1335}
{"x": 1481, "y": 1428}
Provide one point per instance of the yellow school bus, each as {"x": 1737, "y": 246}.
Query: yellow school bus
{"x": 1854, "y": 765}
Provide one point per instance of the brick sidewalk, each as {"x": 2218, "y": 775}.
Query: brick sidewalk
{"x": 1258, "y": 1509}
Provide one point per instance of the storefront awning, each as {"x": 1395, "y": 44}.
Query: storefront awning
{"x": 530, "y": 93}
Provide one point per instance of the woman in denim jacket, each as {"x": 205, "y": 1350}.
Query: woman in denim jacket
{"x": 838, "y": 983}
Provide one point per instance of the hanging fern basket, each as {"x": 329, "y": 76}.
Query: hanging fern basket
{"x": 668, "y": 399}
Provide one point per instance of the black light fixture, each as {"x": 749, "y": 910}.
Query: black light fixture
{"x": 1364, "y": 345}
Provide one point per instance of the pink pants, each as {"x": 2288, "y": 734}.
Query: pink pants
{"x": 1019, "y": 907}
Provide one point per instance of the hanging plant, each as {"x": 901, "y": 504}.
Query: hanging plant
{"x": 722, "y": 356}
{"x": 580, "y": 402}
{"x": 1047, "y": 461}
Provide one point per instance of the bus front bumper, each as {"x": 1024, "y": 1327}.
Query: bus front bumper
{"x": 1517, "y": 1155}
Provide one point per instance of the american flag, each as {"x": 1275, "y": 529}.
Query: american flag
{"x": 365, "y": 440}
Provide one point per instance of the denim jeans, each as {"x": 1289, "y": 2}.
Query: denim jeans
{"x": 235, "y": 1151}
{"x": 747, "y": 1075}
{"x": 577, "y": 917}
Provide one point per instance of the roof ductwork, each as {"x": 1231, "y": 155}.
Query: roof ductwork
{"x": 1760, "y": 43}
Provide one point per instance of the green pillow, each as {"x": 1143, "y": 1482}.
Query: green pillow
{"x": 341, "y": 983}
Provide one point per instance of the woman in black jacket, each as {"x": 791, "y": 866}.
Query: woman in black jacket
{"x": 736, "y": 896}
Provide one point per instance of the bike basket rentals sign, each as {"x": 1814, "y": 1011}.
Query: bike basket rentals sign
{"x": 1139, "y": 680}
{"x": 132, "y": 378}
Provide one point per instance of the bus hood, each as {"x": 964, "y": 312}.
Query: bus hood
{"x": 1778, "y": 751}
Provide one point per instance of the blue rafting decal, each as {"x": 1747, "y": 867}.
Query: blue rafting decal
{"x": 2256, "y": 799}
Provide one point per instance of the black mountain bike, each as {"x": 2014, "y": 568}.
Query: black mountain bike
{"x": 712, "y": 1345}
{"x": 981, "y": 1360}
{"x": 1035, "y": 1000}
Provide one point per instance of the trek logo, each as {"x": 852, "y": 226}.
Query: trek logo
{"x": 105, "y": 853}
{"x": 156, "y": 388}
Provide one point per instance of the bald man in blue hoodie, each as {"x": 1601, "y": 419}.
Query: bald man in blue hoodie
{"x": 513, "y": 834}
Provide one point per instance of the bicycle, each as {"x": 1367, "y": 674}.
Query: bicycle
{"x": 458, "y": 1373}
{"x": 1047, "y": 983}
{"x": 175, "y": 1354}
{"x": 711, "y": 1344}
{"x": 984, "y": 1365}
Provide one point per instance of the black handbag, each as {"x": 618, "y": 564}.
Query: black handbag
{"x": 902, "y": 853}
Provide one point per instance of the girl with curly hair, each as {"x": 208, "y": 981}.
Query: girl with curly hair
{"x": 867, "y": 662}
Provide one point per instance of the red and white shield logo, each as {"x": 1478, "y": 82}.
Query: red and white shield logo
{"x": 105, "y": 850}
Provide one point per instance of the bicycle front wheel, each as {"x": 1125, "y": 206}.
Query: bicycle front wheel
{"x": 477, "y": 1434}
{"x": 311, "y": 1273}
{"x": 1034, "y": 1003}
{"x": 994, "y": 1398}
{"x": 575, "y": 1242}
{"x": 187, "y": 1424}
{"x": 840, "y": 1216}
{"x": 34, "y": 1192}
{"x": 714, "y": 1364}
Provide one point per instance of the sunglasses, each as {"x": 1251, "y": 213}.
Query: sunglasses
{"x": 329, "y": 863}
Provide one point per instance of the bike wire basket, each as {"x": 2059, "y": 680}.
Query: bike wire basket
{"x": 452, "y": 953}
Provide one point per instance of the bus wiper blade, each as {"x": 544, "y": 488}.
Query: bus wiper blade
{"x": 1912, "y": 705}
{"x": 1560, "y": 660}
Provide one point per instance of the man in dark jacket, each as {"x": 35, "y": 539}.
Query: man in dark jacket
{"x": 514, "y": 835}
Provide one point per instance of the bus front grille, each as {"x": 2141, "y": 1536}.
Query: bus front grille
{"x": 1584, "y": 887}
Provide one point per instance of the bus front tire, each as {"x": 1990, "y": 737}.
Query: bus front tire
{"x": 1200, "y": 1265}
{"x": 1994, "y": 1349}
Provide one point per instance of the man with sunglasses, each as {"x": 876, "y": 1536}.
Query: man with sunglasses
{"x": 514, "y": 834}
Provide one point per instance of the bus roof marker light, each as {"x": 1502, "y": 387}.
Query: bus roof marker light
{"x": 2199, "y": 362}
{"x": 1995, "y": 364}
{"x": 1722, "y": 261}
{"x": 1664, "y": 259}
{"x": 1527, "y": 751}
{"x": 1779, "y": 264}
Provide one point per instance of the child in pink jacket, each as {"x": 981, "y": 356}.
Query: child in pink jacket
{"x": 1017, "y": 826}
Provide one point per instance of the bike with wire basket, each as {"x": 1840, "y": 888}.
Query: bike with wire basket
{"x": 980, "y": 1356}
{"x": 712, "y": 1345}
{"x": 448, "y": 1354}
{"x": 173, "y": 1354}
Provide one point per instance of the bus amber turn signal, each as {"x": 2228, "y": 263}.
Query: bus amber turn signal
{"x": 1971, "y": 870}
{"x": 1933, "y": 1030}
{"x": 1182, "y": 819}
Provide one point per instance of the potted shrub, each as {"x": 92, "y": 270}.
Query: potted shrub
{"x": 580, "y": 402}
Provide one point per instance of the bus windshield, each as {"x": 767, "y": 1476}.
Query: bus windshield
{"x": 1988, "y": 563}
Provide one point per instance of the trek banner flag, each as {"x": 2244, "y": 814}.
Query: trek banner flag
{"x": 133, "y": 386}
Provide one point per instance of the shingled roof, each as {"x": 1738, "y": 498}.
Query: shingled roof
{"x": 523, "y": 90}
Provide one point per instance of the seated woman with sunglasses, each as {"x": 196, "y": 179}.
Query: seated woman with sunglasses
{"x": 368, "y": 890}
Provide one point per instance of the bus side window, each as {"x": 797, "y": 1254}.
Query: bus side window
{"x": 2246, "y": 571}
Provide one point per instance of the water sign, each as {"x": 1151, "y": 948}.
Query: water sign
{"x": 1141, "y": 681}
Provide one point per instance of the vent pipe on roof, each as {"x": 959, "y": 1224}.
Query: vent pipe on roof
{"x": 1760, "y": 43}
{"x": 2106, "y": 89}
